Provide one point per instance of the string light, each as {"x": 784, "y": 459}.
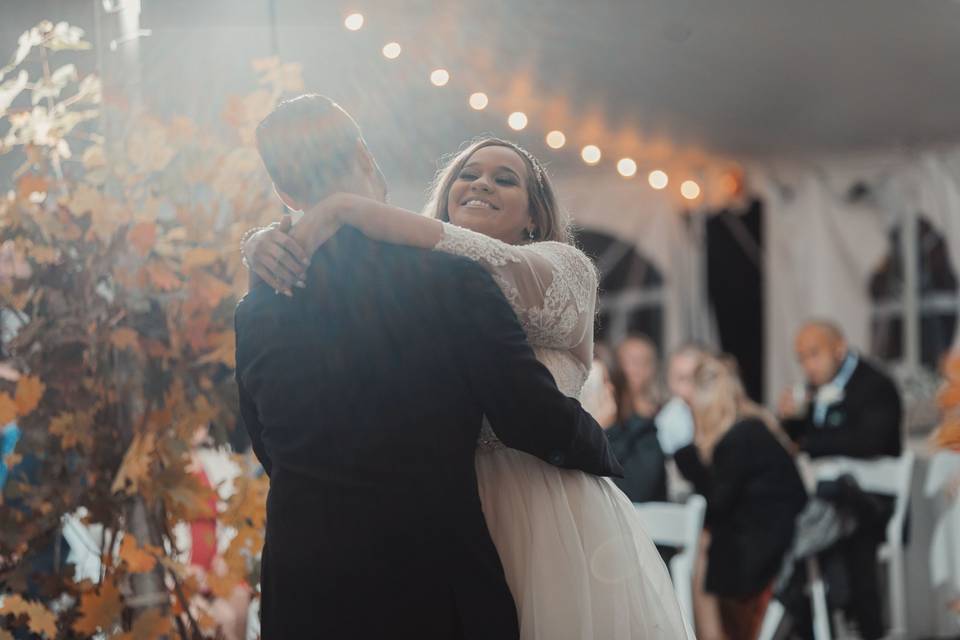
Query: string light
{"x": 690, "y": 190}
{"x": 627, "y": 167}
{"x": 556, "y": 139}
{"x": 591, "y": 154}
{"x": 730, "y": 183}
{"x": 658, "y": 179}
{"x": 517, "y": 120}
{"x": 391, "y": 50}
{"x": 354, "y": 22}
{"x": 479, "y": 101}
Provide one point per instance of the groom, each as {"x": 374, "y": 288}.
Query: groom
{"x": 364, "y": 395}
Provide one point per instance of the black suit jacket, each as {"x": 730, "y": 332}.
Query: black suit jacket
{"x": 865, "y": 424}
{"x": 634, "y": 442}
{"x": 364, "y": 396}
{"x": 754, "y": 494}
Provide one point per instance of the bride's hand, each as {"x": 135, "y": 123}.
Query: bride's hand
{"x": 276, "y": 257}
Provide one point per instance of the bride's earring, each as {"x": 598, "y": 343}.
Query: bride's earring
{"x": 531, "y": 234}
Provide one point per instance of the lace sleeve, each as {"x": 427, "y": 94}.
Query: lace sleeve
{"x": 551, "y": 286}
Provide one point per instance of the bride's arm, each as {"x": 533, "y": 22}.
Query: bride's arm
{"x": 526, "y": 272}
{"x": 543, "y": 281}
{"x": 376, "y": 220}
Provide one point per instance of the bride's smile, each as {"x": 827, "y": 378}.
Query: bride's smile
{"x": 490, "y": 195}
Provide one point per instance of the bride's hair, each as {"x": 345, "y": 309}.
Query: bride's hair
{"x": 551, "y": 223}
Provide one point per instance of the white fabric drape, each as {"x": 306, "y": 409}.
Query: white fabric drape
{"x": 821, "y": 249}
{"x": 631, "y": 212}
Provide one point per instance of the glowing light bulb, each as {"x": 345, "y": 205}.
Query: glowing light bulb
{"x": 627, "y": 167}
{"x": 591, "y": 154}
{"x": 658, "y": 179}
{"x": 392, "y": 50}
{"x": 517, "y": 120}
{"x": 690, "y": 190}
{"x": 440, "y": 77}
{"x": 556, "y": 139}
{"x": 479, "y": 101}
{"x": 354, "y": 22}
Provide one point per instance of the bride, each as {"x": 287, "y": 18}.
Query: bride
{"x": 577, "y": 561}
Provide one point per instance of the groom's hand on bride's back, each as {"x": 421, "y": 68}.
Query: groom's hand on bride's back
{"x": 276, "y": 258}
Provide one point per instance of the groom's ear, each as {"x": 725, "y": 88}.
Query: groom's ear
{"x": 365, "y": 161}
{"x": 370, "y": 170}
{"x": 286, "y": 199}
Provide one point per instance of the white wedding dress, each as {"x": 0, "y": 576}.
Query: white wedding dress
{"x": 576, "y": 558}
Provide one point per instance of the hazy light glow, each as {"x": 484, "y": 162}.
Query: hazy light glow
{"x": 690, "y": 190}
{"x": 658, "y": 179}
{"x": 392, "y": 50}
{"x": 556, "y": 139}
{"x": 627, "y": 167}
{"x": 440, "y": 77}
{"x": 591, "y": 154}
{"x": 354, "y": 22}
{"x": 517, "y": 120}
{"x": 479, "y": 101}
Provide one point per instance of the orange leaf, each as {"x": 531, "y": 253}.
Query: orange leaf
{"x": 208, "y": 291}
{"x": 136, "y": 464}
{"x": 44, "y": 254}
{"x": 225, "y": 352}
{"x": 149, "y": 625}
{"x": 949, "y": 395}
{"x": 30, "y": 184}
{"x": 8, "y": 409}
{"x": 125, "y": 338}
{"x": 143, "y": 236}
{"x": 162, "y": 277}
{"x": 948, "y": 435}
{"x": 29, "y": 392}
{"x": 199, "y": 257}
{"x": 39, "y": 618}
{"x": 139, "y": 559}
{"x": 72, "y": 429}
{"x": 99, "y": 609}
{"x": 951, "y": 368}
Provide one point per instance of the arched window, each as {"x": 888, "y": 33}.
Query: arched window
{"x": 631, "y": 289}
{"x": 937, "y": 298}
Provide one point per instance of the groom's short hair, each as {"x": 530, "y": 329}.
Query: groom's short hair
{"x": 307, "y": 144}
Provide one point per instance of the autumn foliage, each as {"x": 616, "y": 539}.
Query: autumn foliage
{"x": 119, "y": 274}
{"x": 948, "y": 434}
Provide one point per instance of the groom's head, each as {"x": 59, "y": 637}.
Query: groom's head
{"x": 312, "y": 148}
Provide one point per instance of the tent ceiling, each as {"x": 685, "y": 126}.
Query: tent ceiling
{"x": 732, "y": 77}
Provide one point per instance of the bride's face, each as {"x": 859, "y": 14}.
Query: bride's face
{"x": 490, "y": 195}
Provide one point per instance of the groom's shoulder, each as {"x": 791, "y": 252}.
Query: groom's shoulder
{"x": 437, "y": 267}
{"x": 257, "y": 309}
{"x": 256, "y": 299}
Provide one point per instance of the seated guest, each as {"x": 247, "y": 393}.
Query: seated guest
{"x": 741, "y": 462}
{"x": 847, "y": 407}
{"x": 633, "y": 438}
{"x": 675, "y": 421}
{"x": 637, "y": 359}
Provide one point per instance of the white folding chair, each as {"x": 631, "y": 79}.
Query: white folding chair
{"x": 677, "y": 525}
{"x": 891, "y": 477}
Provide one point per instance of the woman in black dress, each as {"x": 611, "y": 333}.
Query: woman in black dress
{"x": 742, "y": 462}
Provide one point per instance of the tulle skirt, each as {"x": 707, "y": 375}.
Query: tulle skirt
{"x": 576, "y": 558}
